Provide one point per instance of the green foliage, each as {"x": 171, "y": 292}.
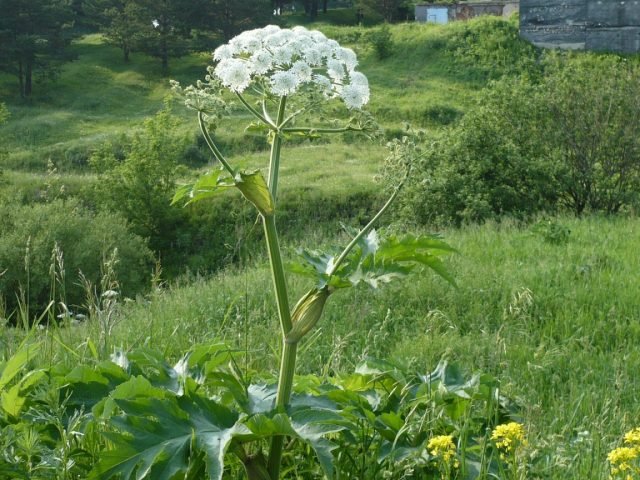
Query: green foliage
{"x": 198, "y": 418}
{"x": 140, "y": 185}
{"x": 592, "y": 114}
{"x": 491, "y": 47}
{"x": 569, "y": 140}
{"x": 33, "y": 39}
{"x": 381, "y": 41}
{"x": 30, "y": 234}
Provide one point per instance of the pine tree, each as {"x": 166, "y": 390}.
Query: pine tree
{"x": 34, "y": 35}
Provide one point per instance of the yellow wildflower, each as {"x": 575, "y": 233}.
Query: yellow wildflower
{"x": 509, "y": 436}
{"x": 443, "y": 447}
{"x": 621, "y": 460}
{"x": 632, "y": 437}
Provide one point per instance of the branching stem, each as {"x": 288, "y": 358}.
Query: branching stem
{"x": 212, "y": 146}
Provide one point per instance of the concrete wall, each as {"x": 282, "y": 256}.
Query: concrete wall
{"x": 602, "y": 25}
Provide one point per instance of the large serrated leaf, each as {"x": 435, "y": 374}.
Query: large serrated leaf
{"x": 156, "y": 436}
{"x": 375, "y": 261}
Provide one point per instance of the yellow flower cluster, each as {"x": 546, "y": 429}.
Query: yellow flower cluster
{"x": 624, "y": 460}
{"x": 509, "y": 436}
{"x": 442, "y": 447}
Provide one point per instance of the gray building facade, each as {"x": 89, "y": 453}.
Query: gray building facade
{"x": 599, "y": 25}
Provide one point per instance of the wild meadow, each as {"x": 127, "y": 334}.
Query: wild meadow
{"x": 484, "y": 326}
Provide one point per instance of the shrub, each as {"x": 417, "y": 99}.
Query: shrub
{"x": 29, "y": 234}
{"x": 570, "y": 139}
{"x": 381, "y": 41}
{"x": 491, "y": 47}
{"x": 483, "y": 167}
{"x": 592, "y": 114}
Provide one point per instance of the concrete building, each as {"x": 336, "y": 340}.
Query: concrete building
{"x": 445, "y": 13}
{"x": 600, "y": 25}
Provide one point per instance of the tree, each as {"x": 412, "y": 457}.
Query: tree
{"x": 119, "y": 20}
{"x": 230, "y": 17}
{"x": 390, "y": 10}
{"x": 33, "y": 38}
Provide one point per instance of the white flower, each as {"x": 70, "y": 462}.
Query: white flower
{"x": 234, "y": 74}
{"x": 261, "y": 62}
{"x": 223, "y": 52}
{"x": 301, "y": 70}
{"x": 284, "y": 83}
{"x": 335, "y": 69}
{"x": 282, "y": 55}
{"x": 358, "y": 78}
{"x": 317, "y": 36}
{"x": 355, "y": 96}
{"x": 286, "y": 59}
{"x": 323, "y": 83}
{"x": 155, "y": 23}
{"x": 348, "y": 56}
{"x": 313, "y": 56}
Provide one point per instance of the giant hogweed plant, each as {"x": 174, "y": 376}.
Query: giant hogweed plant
{"x": 281, "y": 77}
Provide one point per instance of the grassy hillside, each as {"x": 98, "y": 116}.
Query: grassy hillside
{"x": 98, "y": 97}
{"x": 550, "y": 309}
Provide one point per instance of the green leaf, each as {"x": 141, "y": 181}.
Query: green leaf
{"x": 17, "y": 362}
{"x": 375, "y": 261}
{"x": 254, "y": 188}
{"x": 13, "y": 400}
{"x": 207, "y": 186}
{"x": 156, "y": 436}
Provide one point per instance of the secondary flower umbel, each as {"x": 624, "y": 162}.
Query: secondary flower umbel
{"x": 285, "y": 61}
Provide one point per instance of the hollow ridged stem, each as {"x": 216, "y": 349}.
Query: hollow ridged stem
{"x": 276, "y": 146}
{"x": 277, "y": 273}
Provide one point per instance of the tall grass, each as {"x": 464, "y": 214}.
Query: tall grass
{"x": 558, "y": 324}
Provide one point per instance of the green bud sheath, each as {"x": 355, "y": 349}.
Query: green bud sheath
{"x": 306, "y": 313}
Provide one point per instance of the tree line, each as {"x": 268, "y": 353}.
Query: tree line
{"x": 35, "y": 34}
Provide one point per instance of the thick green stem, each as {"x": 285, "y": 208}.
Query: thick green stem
{"x": 288, "y": 359}
{"x": 274, "y": 162}
{"x": 277, "y": 273}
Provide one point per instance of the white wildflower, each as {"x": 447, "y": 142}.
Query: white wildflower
{"x": 301, "y": 70}
{"x": 347, "y": 56}
{"x": 313, "y": 56}
{"x": 335, "y": 69}
{"x": 282, "y": 55}
{"x": 317, "y": 36}
{"x": 358, "y": 78}
{"x": 284, "y": 83}
{"x": 355, "y": 96}
{"x": 234, "y": 74}
{"x": 323, "y": 83}
{"x": 223, "y": 52}
{"x": 261, "y": 62}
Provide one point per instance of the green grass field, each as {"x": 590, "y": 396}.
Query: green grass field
{"x": 557, "y": 323}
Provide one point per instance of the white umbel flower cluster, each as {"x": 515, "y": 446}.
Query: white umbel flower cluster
{"x": 290, "y": 59}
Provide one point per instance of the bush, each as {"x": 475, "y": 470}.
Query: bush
{"x": 381, "y": 41}
{"x": 483, "y": 167}
{"x": 28, "y": 235}
{"x": 491, "y": 47}
{"x": 570, "y": 139}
